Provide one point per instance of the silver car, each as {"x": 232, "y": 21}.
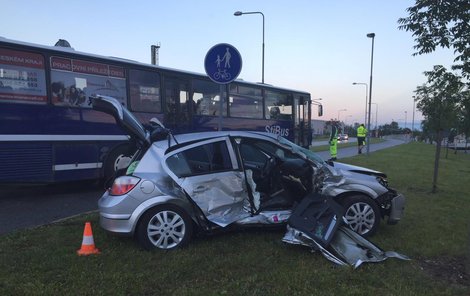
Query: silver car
{"x": 179, "y": 184}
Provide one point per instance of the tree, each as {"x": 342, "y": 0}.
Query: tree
{"x": 464, "y": 116}
{"x": 441, "y": 23}
{"x": 438, "y": 100}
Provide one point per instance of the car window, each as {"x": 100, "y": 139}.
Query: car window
{"x": 252, "y": 154}
{"x": 274, "y": 150}
{"x": 203, "y": 159}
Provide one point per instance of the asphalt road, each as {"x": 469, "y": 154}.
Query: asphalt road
{"x": 351, "y": 151}
{"x": 23, "y": 207}
{"x": 29, "y": 206}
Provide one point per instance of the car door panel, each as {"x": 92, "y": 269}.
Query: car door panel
{"x": 215, "y": 184}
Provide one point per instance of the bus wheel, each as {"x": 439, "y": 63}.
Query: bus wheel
{"x": 117, "y": 159}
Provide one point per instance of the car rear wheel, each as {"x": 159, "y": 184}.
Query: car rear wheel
{"x": 362, "y": 214}
{"x": 165, "y": 228}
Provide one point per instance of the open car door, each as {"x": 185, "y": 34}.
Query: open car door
{"x": 209, "y": 174}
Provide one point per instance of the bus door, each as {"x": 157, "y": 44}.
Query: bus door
{"x": 177, "y": 105}
{"x": 302, "y": 129}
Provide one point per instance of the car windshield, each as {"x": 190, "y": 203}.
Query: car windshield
{"x": 295, "y": 148}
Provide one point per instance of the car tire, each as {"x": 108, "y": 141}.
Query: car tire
{"x": 164, "y": 227}
{"x": 362, "y": 214}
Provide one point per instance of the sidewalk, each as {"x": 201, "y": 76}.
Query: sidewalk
{"x": 352, "y": 151}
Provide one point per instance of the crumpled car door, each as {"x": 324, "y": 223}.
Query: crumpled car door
{"x": 208, "y": 172}
{"x": 317, "y": 222}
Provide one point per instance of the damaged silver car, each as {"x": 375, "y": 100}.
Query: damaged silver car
{"x": 180, "y": 184}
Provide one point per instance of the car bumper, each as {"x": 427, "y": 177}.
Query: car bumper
{"x": 397, "y": 209}
{"x": 116, "y": 213}
{"x": 116, "y": 225}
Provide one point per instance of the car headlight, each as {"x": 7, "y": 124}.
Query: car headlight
{"x": 382, "y": 181}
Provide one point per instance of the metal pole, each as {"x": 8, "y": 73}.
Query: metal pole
{"x": 222, "y": 89}
{"x": 262, "y": 77}
{"x": 370, "y": 35}
{"x": 239, "y": 13}
{"x": 413, "y": 120}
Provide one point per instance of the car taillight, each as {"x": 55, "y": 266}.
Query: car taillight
{"x": 123, "y": 185}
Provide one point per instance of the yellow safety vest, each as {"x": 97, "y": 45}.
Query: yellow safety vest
{"x": 361, "y": 131}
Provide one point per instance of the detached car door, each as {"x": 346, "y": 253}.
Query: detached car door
{"x": 209, "y": 173}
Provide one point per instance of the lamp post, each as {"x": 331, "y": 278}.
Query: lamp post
{"x": 367, "y": 88}
{"x": 406, "y": 113}
{"x": 340, "y": 111}
{"x": 376, "y": 127}
{"x": 370, "y": 35}
{"x": 413, "y": 120}
{"x": 239, "y": 13}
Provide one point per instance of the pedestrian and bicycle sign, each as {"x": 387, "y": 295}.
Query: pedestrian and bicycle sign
{"x": 223, "y": 63}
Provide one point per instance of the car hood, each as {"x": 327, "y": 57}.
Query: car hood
{"x": 358, "y": 169}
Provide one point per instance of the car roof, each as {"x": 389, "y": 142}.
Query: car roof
{"x": 200, "y": 136}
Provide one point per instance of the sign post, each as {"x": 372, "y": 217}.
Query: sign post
{"x": 223, "y": 64}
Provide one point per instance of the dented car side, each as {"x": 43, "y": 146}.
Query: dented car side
{"x": 208, "y": 181}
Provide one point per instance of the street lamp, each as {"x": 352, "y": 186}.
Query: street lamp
{"x": 376, "y": 128}
{"x": 340, "y": 111}
{"x": 239, "y": 13}
{"x": 370, "y": 35}
{"x": 367, "y": 88}
{"x": 320, "y": 107}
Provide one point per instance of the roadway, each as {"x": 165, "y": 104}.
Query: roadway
{"x": 23, "y": 207}
{"x": 352, "y": 151}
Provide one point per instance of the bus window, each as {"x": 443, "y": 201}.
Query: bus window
{"x": 278, "y": 105}
{"x": 22, "y": 77}
{"x": 145, "y": 91}
{"x": 73, "y": 81}
{"x": 246, "y": 102}
{"x": 206, "y": 98}
{"x": 176, "y": 103}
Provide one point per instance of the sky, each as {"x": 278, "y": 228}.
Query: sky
{"x": 311, "y": 45}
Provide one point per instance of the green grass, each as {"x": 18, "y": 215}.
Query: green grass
{"x": 434, "y": 233}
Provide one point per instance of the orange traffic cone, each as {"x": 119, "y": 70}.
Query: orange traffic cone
{"x": 88, "y": 245}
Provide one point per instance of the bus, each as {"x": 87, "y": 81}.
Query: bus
{"x": 49, "y": 132}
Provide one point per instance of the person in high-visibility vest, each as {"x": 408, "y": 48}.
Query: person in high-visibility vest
{"x": 361, "y": 138}
{"x": 333, "y": 141}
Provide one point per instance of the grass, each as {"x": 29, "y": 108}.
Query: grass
{"x": 434, "y": 233}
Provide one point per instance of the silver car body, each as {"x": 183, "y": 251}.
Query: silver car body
{"x": 230, "y": 197}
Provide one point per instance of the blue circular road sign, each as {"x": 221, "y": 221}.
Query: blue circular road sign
{"x": 223, "y": 63}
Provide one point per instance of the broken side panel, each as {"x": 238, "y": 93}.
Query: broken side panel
{"x": 318, "y": 216}
{"x": 355, "y": 250}
{"x": 220, "y": 196}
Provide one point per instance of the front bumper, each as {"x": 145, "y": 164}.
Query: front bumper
{"x": 397, "y": 209}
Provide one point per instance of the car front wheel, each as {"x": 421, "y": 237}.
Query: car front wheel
{"x": 362, "y": 214}
{"x": 165, "y": 228}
